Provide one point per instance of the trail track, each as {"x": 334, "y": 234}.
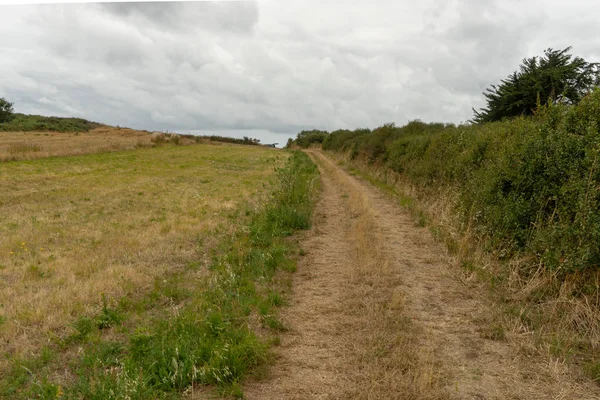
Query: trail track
{"x": 379, "y": 312}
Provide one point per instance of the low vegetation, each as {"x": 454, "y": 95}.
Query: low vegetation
{"x": 157, "y": 264}
{"x": 30, "y": 123}
{"x": 523, "y": 191}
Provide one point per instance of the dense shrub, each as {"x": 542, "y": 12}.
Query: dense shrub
{"x": 528, "y": 184}
{"x": 307, "y": 138}
{"x": 343, "y": 139}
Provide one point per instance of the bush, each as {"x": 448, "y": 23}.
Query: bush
{"x": 342, "y": 139}
{"x": 306, "y": 138}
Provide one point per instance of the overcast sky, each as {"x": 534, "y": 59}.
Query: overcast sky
{"x": 269, "y": 69}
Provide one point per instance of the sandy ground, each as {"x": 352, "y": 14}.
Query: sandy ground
{"x": 378, "y": 311}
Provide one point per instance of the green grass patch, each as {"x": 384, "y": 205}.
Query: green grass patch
{"x": 593, "y": 370}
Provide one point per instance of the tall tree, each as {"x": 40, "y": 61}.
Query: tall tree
{"x": 6, "y": 110}
{"x": 557, "y": 77}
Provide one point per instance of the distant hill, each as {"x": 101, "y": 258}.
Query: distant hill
{"x": 28, "y": 123}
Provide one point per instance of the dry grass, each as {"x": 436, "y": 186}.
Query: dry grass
{"x": 390, "y": 354}
{"x": 74, "y": 228}
{"x": 21, "y": 147}
{"x": 30, "y": 145}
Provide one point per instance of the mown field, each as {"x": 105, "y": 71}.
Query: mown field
{"x": 100, "y": 250}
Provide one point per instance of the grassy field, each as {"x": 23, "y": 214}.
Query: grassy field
{"x": 110, "y": 239}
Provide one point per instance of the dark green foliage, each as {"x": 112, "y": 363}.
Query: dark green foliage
{"x": 339, "y": 139}
{"x": 376, "y": 145}
{"x": 526, "y": 185}
{"x": 307, "y": 138}
{"x": 27, "y": 123}
{"x": 247, "y": 140}
{"x": 6, "y": 110}
{"x": 373, "y": 146}
{"x": 557, "y": 77}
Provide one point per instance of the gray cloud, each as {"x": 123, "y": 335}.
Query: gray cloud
{"x": 231, "y": 17}
{"x": 271, "y": 69}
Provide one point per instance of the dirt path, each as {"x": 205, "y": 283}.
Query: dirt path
{"x": 378, "y": 312}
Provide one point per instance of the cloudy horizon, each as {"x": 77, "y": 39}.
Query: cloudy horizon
{"x": 270, "y": 69}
